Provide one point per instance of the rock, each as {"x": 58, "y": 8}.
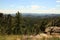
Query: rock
{"x": 53, "y": 29}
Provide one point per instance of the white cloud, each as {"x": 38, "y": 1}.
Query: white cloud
{"x": 36, "y": 7}
{"x": 57, "y": 10}
{"x": 31, "y": 9}
{"x": 52, "y": 10}
{"x": 57, "y": 5}
{"x": 58, "y": 1}
{"x": 8, "y": 11}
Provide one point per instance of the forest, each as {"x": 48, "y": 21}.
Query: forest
{"x": 20, "y": 25}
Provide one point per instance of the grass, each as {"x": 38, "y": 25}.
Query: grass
{"x": 21, "y": 37}
{"x": 54, "y": 38}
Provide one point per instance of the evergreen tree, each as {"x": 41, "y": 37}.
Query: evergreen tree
{"x": 9, "y": 24}
{"x": 18, "y": 19}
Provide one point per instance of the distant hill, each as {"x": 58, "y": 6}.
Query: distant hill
{"x": 38, "y": 15}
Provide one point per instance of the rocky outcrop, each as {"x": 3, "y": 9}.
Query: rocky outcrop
{"x": 53, "y": 29}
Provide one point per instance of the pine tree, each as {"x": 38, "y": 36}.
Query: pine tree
{"x": 18, "y": 21}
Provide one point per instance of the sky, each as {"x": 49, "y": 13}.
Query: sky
{"x": 30, "y": 6}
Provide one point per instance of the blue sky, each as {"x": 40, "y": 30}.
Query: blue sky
{"x": 29, "y": 6}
